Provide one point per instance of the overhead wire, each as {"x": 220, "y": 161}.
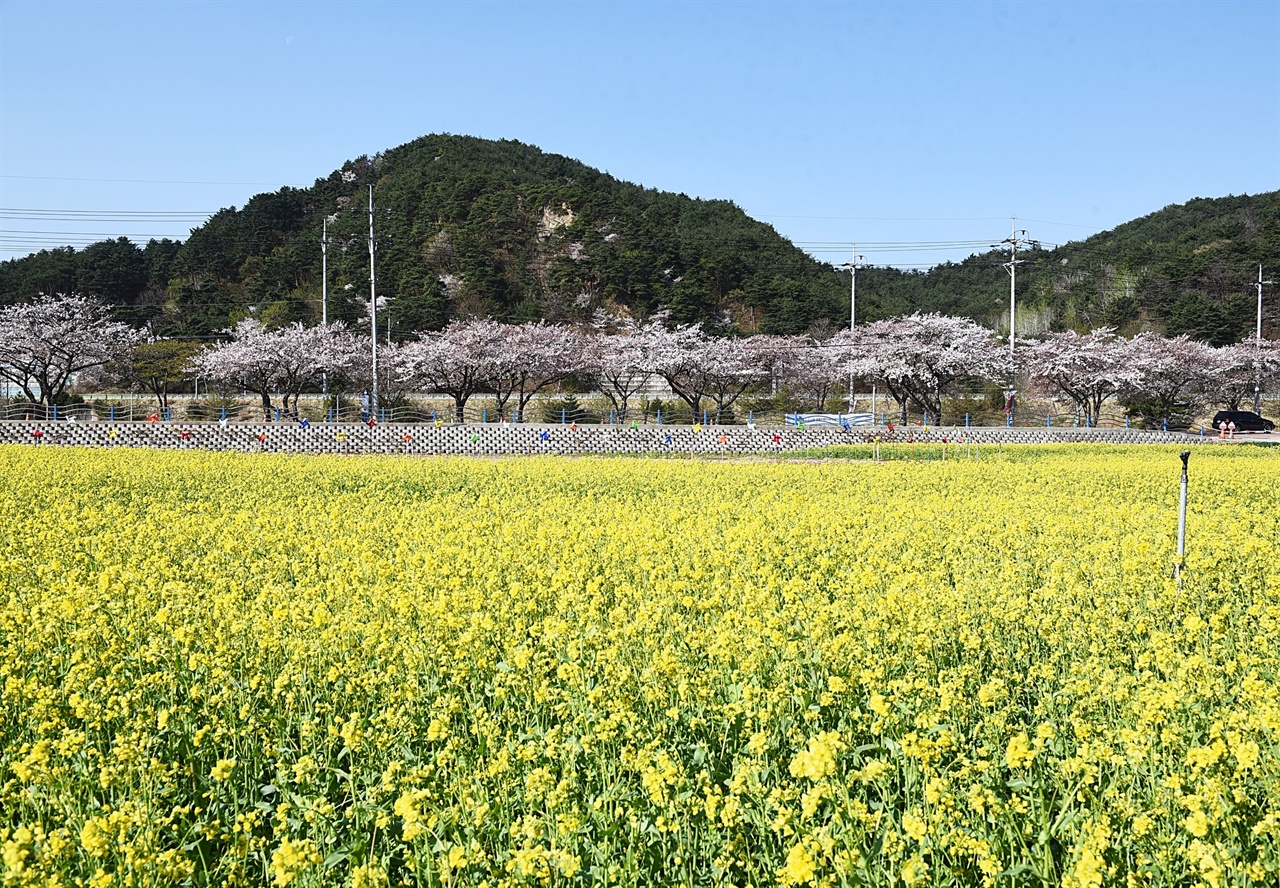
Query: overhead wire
{"x": 37, "y": 239}
{"x": 149, "y": 181}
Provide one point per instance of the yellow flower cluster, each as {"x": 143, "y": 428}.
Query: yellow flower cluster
{"x": 250, "y": 669}
{"x": 818, "y": 759}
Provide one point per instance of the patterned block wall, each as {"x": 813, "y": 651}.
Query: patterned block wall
{"x": 496, "y": 440}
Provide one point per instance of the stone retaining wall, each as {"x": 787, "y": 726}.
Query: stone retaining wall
{"x": 480, "y": 440}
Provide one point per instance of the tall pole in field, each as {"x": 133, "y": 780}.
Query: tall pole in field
{"x": 324, "y": 290}
{"x": 853, "y": 288}
{"x": 373, "y": 313}
{"x": 1013, "y": 241}
{"x": 855, "y": 260}
{"x": 324, "y": 271}
{"x": 1257, "y": 345}
{"x": 1182, "y": 520}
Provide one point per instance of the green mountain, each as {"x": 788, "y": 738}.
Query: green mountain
{"x": 469, "y": 226}
{"x": 1188, "y": 268}
{"x": 465, "y": 226}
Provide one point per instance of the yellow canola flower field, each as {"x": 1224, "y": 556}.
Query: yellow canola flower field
{"x": 222, "y": 669}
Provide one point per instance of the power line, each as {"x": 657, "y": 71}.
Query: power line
{"x": 35, "y": 239}
{"x": 81, "y": 234}
{"x": 920, "y": 219}
{"x": 103, "y": 215}
{"x": 151, "y": 181}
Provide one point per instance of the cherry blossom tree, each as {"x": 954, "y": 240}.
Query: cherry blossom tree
{"x": 812, "y": 370}
{"x": 730, "y": 366}
{"x": 308, "y": 353}
{"x": 44, "y": 344}
{"x": 698, "y": 367}
{"x": 1088, "y": 368}
{"x": 248, "y": 359}
{"x": 393, "y": 372}
{"x": 919, "y": 357}
{"x": 458, "y": 361}
{"x": 1238, "y": 370}
{"x": 619, "y": 363}
{"x": 286, "y": 361}
{"x": 673, "y": 355}
{"x": 528, "y": 358}
{"x": 1169, "y": 370}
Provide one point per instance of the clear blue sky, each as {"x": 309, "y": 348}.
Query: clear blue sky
{"x": 879, "y": 123}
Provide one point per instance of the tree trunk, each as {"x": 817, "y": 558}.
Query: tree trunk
{"x": 49, "y": 393}
{"x": 618, "y": 401}
{"x": 525, "y": 397}
{"x": 935, "y": 407}
{"x": 693, "y": 400}
{"x": 1093, "y": 411}
{"x": 501, "y": 398}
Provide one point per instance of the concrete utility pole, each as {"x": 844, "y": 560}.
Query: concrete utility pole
{"x": 1257, "y": 345}
{"x": 324, "y": 271}
{"x": 852, "y": 265}
{"x": 1013, "y": 241}
{"x": 373, "y": 313}
{"x": 324, "y": 291}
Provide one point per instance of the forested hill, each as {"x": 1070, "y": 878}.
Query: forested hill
{"x": 465, "y": 226}
{"x": 469, "y": 226}
{"x": 1188, "y": 268}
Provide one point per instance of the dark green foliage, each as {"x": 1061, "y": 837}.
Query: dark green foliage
{"x": 470, "y": 226}
{"x": 465, "y": 227}
{"x": 159, "y": 366}
{"x": 49, "y": 271}
{"x": 1188, "y": 268}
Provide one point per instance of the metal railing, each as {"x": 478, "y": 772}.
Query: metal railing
{"x": 569, "y": 411}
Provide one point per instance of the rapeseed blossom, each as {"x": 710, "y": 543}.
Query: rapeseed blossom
{"x": 818, "y": 758}
{"x": 236, "y": 669}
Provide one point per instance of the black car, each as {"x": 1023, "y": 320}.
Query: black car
{"x": 1245, "y": 421}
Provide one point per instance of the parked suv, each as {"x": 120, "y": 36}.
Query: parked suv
{"x": 1245, "y": 421}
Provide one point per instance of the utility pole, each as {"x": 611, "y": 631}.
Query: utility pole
{"x": 324, "y": 271}
{"x": 373, "y": 313}
{"x": 852, "y": 265}
{"x": 1013, "y": 241}
{"x": 324, "y": 291}
{"x": 1257, "y": 345}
